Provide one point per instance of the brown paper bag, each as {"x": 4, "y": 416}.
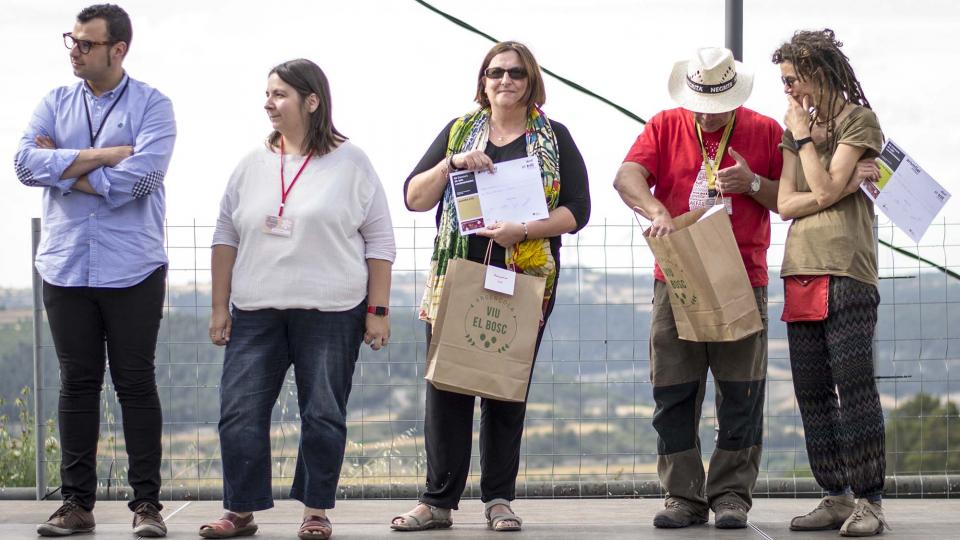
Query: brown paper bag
{"x": 483, "y": 341}
{"x": 710, "y": 292}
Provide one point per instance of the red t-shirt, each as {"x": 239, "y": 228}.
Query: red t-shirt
{"x": 669, "y": 150}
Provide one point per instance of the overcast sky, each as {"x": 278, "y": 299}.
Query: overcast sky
{"x": 399, "y": 72}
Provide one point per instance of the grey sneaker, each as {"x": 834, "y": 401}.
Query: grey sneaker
{"x": 866, "y": 520}
{"x": 69, "y": 519}
{"x": 148, "y": 522}
{"x": 678, "y": 513}
{"x": 830, "y": 514}
{"x": 730, "y": 514}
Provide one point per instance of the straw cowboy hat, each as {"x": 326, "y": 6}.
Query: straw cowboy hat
{"x": 710, "y": 82}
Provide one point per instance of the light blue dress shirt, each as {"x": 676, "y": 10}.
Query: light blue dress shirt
{"x": 115, "y": 238}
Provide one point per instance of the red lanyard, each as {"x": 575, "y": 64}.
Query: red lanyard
{"x": 284, "y": 190}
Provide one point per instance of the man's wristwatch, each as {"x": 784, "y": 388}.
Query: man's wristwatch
{"x": 800, "y": 142}
{"x": 755, "y": 185}
{"x": 378, "y": 310}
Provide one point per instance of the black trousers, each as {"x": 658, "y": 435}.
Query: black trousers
{"x": 832, "y": 363}
{"x": 86, "y": 323}
{"x": 448, "y": 434}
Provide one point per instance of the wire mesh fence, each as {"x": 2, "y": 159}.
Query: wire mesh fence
{"x": 588, "y": 424}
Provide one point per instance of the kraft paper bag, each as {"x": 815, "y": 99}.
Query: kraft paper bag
{"x": 710, "y": 291}
{"x": 483, "y": 341}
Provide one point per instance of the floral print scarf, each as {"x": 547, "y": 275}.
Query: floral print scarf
{"x": 532, "y": 257}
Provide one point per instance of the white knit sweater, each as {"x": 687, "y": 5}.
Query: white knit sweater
{"x": 341, "y": 218}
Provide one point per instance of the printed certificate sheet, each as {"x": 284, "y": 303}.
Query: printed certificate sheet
{"x": 909, "y": 196}
{"x": 513, "y": 193}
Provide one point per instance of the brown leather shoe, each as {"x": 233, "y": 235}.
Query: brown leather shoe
{"x": 70, "y": 518}
{"x": 148, "y": 522}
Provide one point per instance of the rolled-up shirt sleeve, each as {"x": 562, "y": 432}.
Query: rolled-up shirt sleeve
{"x": 377, "y": 227}
{"x": 225, "y": 232}
{"x": 142, "y": 173}
{"x": 41, "y": 167}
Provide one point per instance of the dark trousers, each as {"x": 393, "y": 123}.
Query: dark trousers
{"x": 832, "y": 363}
{"x": 88, "y": 324}
{"x": 448, "y": 434}
{"x": 323, "y": 347}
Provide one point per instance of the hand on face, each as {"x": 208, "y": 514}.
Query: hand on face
{"x": 797, "y": 118}
{"x": 736, "y": 178}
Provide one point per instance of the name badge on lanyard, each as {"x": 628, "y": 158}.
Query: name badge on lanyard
{"x": 278, "y": 225}
{"x": 712, "y": 166}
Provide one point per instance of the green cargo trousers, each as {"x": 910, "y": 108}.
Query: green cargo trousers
{"x": 678, "y": 370}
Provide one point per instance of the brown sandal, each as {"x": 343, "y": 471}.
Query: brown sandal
{"x": 229, "y": 526}
{"x": 315, "y": 528}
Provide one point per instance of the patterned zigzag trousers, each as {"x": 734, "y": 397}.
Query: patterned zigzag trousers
{"x": 832, "y": 363}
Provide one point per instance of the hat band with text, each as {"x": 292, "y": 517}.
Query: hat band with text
{"x": 711, "y": 88}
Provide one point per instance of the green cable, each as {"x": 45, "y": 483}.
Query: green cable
{"x": 467, "y": 26}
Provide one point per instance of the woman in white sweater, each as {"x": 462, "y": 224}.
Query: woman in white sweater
{"x": 301, "y": 264}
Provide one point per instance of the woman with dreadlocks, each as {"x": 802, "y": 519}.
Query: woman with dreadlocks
{"x": 830, "y": 279}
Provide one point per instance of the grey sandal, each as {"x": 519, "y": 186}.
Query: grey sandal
{"x": 439, "y": 519}
{"x": 496, "y": 521}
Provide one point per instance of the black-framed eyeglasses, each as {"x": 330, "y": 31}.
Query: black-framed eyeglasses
{"x": 789, "y": 81}
{"x": 515, "y": 73}
{"x": 83, "y": 44}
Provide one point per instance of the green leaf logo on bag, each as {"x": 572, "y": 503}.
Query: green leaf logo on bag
{"x": 491, "y": 323}
{"x": 679, "y": 286}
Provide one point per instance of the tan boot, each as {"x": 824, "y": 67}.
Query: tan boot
{"x": 866, "y": 520}
{"x": 830, "y": 514}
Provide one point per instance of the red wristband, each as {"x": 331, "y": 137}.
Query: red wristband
{"x": 378, "y": 310}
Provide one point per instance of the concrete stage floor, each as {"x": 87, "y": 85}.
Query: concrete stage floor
{"x": 598, "y": 519}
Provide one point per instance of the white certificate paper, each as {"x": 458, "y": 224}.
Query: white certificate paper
{"x": 514, "y": 192}
{"x": 909, "y": 196}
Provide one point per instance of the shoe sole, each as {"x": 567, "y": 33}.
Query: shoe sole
{"x": 50, "y": 530}
{"x": 731, "y": 523}
{"x": 150, "y": 531}
{"x": 826, "y": 528}
{"x": 249, "y": 530}
{"x": 667, "y": 523}
{"x": 861, "y": 535}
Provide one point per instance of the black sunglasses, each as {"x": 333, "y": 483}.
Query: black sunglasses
{"x": 515, "y": 73}
{"x": 789, "y": 81}
{"x": 84, "y": 44}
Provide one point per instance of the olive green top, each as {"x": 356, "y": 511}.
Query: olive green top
{"x": 838, "y": 240}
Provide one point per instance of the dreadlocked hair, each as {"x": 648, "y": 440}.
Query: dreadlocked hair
{"x": 816, "y": 55}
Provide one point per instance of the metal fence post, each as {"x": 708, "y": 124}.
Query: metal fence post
{"x": 733, "y": 24}
{"x": 38, "y": 415}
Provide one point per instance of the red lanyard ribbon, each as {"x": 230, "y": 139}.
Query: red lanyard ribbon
{"x": 284, "y": 190}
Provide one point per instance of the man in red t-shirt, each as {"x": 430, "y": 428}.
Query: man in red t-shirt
{"x": 687, "y": 156}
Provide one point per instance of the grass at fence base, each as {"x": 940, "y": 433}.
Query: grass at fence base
{"x": 18, "y": 447}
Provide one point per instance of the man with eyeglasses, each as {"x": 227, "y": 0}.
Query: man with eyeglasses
{"x": 711, "y": 145}
{"x": 100, "y": 149}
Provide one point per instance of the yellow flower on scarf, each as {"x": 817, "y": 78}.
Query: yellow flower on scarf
{"x": 530, "y": 254}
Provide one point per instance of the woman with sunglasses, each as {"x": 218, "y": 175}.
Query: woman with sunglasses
{"x": 303, "y": 251}
{"x": 509, "y": 124}
{"x": 830, "y": 279}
